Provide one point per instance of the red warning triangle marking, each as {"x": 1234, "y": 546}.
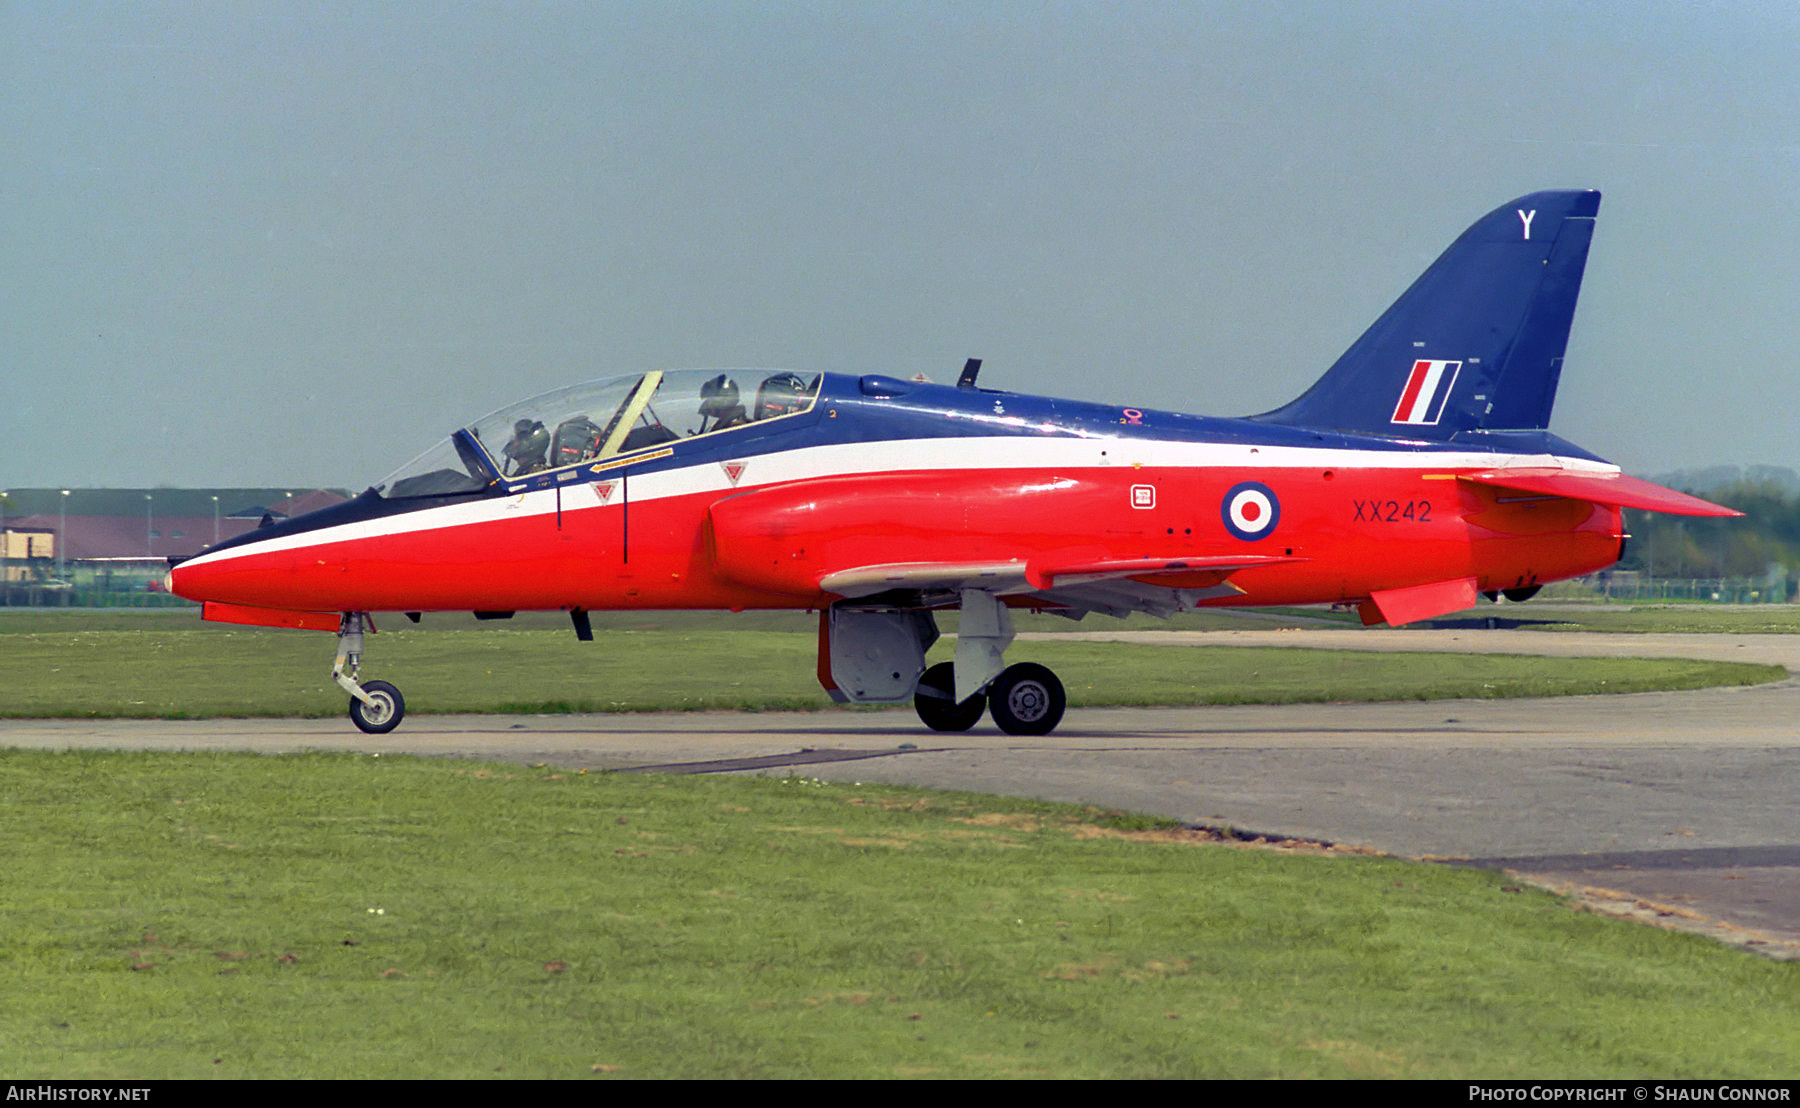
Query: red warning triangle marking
{"x": 604, "y": 490}
{"x": 733, "y": 470}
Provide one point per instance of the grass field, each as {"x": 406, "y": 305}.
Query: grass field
{"x": 191, "y": 916}
{"x": 183, "y": 916}
{"x": 149, "y": 666}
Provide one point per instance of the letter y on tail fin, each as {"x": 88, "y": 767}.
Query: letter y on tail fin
{"x": 1477, "y": 342}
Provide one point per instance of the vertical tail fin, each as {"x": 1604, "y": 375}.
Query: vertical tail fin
{"x": 1477, "y": 342}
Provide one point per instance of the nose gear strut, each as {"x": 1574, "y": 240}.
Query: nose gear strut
{"x": 375, "y": 707}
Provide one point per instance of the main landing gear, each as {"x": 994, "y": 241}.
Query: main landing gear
{"x": 875, "y": 655}
{"x": 1026, "y": 699}
{"x": 376, "y": 707}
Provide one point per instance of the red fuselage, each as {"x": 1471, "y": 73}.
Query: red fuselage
{"x": 687, "y": 537}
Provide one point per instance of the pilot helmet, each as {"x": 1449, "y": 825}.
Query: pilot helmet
{"x": 781, "y": 394}
{"x": 719, "y": 397}
{"x": 530, "y": 442}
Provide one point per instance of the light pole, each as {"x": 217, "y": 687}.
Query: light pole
{"x": 149, "y": 525}
{"x": 4, "y": 583}
{"x": 215, "y": 521}
{"x": 62, "y": 534}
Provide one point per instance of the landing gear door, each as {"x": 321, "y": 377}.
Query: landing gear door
{"x": 873, "y": 657}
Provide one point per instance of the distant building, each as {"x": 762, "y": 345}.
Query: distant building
{"x": 98, "y": 546}
{"x": 18, "y": 546}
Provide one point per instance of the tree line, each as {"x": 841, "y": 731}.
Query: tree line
{"x": 1765, "y": 543}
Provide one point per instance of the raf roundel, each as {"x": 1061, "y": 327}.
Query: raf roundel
{"x": 1250, "y": 510}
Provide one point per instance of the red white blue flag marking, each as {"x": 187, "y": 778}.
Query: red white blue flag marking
{"x": 1250, "y": 510}
{"x": 1427, "y": 387}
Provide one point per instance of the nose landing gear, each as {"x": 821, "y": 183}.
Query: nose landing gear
{"x": 376, "y": 707}
{"x": 380, "y": 713}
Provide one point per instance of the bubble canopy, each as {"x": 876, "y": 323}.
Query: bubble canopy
{"x": 598, "y": 421}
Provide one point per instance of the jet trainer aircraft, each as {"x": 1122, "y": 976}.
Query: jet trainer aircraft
{"x": 1414, "y": 476}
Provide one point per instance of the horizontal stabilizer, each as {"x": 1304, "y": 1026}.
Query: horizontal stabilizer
{"x": 1614, "y": 489}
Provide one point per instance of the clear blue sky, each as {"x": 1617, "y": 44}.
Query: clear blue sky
{"x": 263, "y": 244}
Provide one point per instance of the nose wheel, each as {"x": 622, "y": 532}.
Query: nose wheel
{"x": 375, "y": 707}
{"x": 382, "y": 712}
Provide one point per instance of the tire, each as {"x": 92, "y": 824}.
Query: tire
{"x": 937, "y": 710}
{"x": 1027, "y": 699}
{"x": 384, "y": 715}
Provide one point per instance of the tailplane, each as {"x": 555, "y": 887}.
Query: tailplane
{"x": 1476, "y": 344}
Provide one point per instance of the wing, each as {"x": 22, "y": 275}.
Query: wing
{"x": 1161, "y": 586}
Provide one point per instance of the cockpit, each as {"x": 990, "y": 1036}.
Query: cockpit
{"x": 599, "y": 421}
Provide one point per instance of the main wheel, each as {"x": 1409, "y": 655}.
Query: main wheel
{"x": 935, "y": 701}
{"x": 385, "y": 714}
{"x": 1027, "y": 699}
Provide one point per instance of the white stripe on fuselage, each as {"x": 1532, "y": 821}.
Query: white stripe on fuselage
{"x": 904, "y": 455}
